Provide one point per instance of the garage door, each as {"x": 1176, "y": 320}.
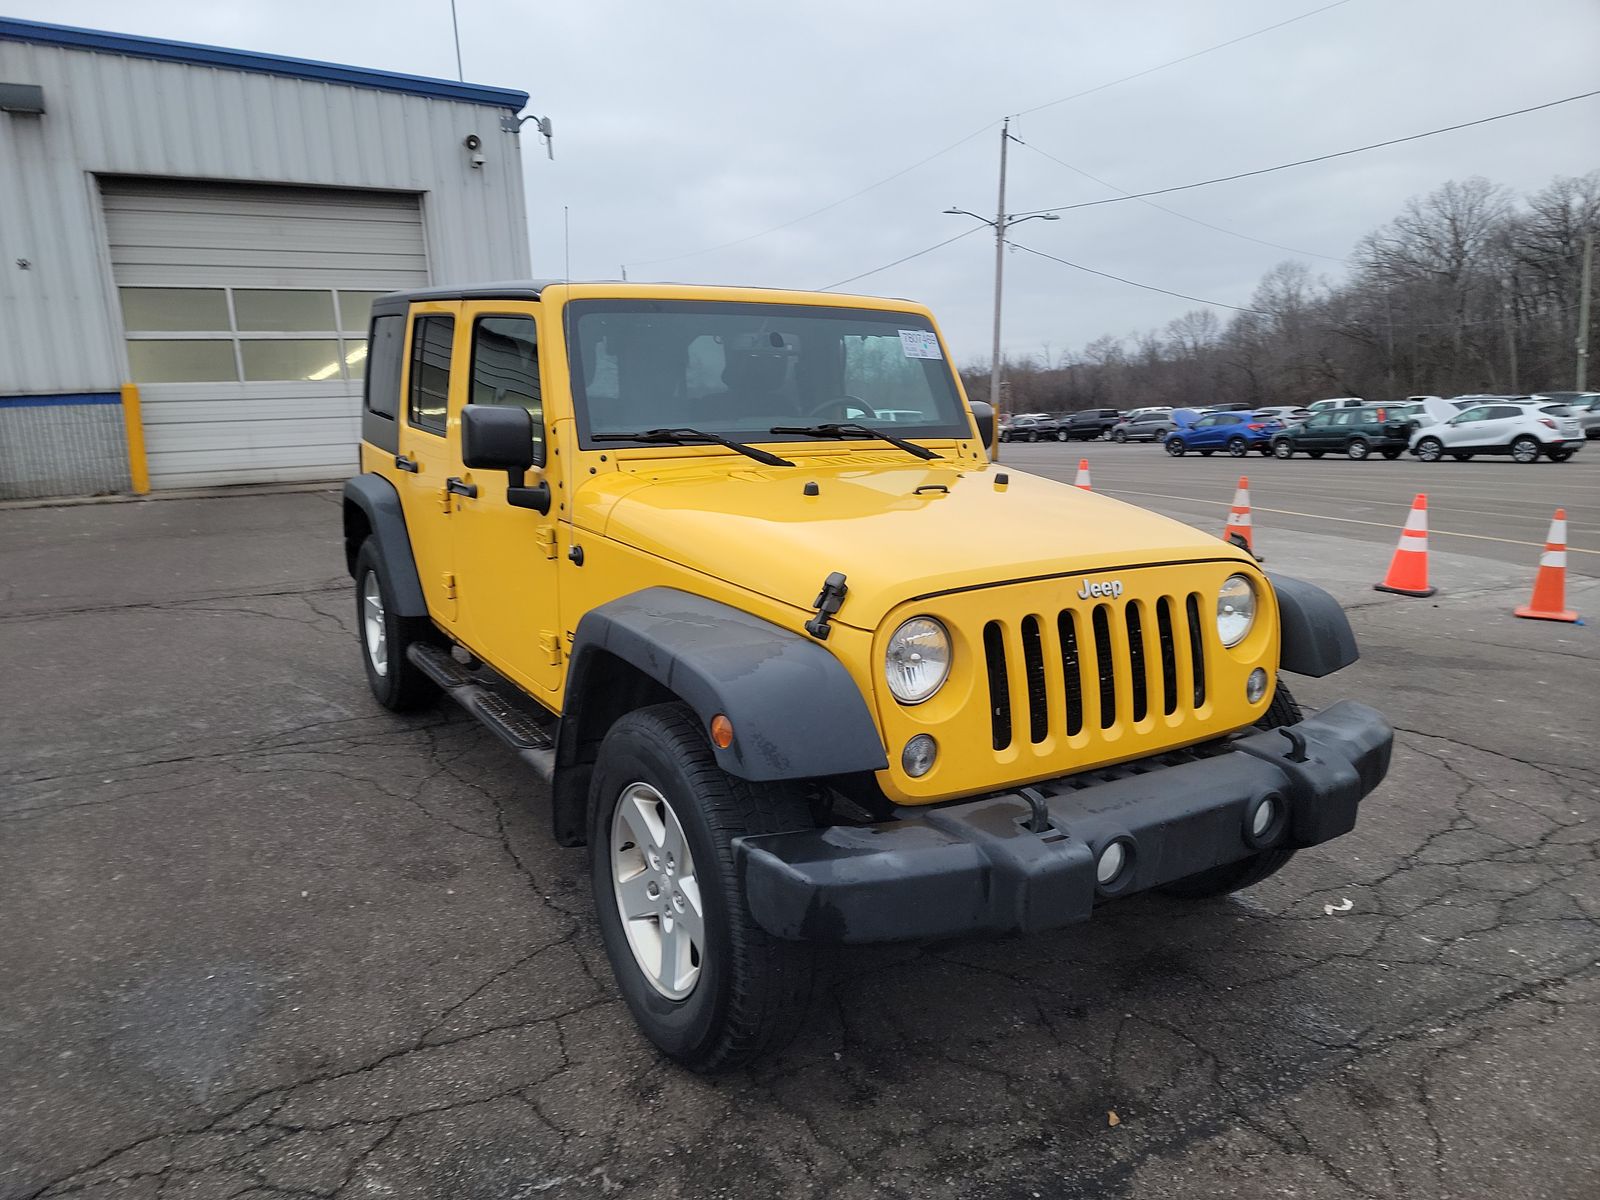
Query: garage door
{"x": 245, "y": 312}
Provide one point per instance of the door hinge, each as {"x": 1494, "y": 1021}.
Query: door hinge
{"x": 545, "y": 537}
{"x": 550, "y": 646}
{"x": 444, "y": 499}
{"x": 449, "y": 581}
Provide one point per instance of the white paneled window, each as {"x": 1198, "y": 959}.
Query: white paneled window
{"x": 249, "y": 335}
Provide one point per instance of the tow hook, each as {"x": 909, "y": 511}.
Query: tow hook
{"x": 1039, "y": 817}
{"x": 827, "y": 603}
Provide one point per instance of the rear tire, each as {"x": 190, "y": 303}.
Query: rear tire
{"x": 1391, "y": 455}
{"x": 1558, "y": 455}
{"x": 1358, "y": 449}
{"x": 743, "y": 991}
{"x": 1247, "y": 872}
{"x": 385, "y": 636}
{"x": 1063, "y": 436}
{"x": 1461, "y": 456}
{"x": 1207, "y": 453}
{"x": 1525, "y": 449}
{"x": 1315, "y": 453}
{"x": 1238, "y": 447}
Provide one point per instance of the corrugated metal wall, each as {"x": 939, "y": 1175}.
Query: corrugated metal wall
{"x": 113, "y": 115}
{"x": 62, "y": 446}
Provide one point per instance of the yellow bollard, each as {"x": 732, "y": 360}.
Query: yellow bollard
{"x": 133, "y": 423}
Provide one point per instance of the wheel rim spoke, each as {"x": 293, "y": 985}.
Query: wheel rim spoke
{"x": 375, "y": 632}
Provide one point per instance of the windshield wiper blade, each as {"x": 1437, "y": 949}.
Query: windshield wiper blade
{"x": 678, "y": 436}
{"x": 852, "y": 429}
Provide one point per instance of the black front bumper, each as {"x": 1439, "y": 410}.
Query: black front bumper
{"x": 976, "y": 866}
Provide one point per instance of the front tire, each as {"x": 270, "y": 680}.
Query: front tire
{"x": 1174, "y": 446}
{"x": 1430, "y": 450}
{"x": 1119, "y": 436}
{"x": 706, "y": 984}
{"x": 1283, "y": 449}
{"x": 1247, "y": 872}
{"x": 395, "y": 681}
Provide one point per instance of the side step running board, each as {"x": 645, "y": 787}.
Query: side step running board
{"x": 512, "y": 723}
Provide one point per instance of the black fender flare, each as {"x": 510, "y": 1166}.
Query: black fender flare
{"x": 375, "y": 497}
{"x": 796, "y": 712}
{"x": 1316, "y": 636}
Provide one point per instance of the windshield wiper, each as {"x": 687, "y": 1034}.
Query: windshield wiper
{"x": 851, "y": 429}
{"x": 678, "y": 436}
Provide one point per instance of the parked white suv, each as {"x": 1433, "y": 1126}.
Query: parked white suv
{"x": 1522, "y": 430}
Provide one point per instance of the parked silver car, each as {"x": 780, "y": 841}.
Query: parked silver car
{"x": 1143, "y": 425}
{"x": 1585, "y": 406}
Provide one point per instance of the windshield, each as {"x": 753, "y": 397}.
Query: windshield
{"x": 738, "y": 369}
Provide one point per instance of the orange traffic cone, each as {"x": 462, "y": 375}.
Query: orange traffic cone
{"x": 1083, "y": 475}
{"x": 1549, "y": 601}
{"x": 1237, "y": 529}
{"x": 1408, "y": 570}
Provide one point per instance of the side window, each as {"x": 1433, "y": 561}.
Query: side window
{"x": 505, "y": 369}
{"x": 383, "y": 365}
{"x": 430, "y": 371}
{"x": 1346, "y": 416}
{"x": 1501, "y": 411}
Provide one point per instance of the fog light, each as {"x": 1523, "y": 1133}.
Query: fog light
{"x": 917, "y": 758}
{"x": 1266, "y": 813}
{"x": 1110, "y": 863}
{"x": 1255, "y": 687}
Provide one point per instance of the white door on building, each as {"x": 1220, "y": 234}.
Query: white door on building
{"x": 244, "y": 309}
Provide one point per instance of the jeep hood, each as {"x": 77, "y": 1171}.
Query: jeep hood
{"x": 757, "y": 529}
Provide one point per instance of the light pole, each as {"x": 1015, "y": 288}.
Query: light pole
{"x": 1001, "y": 222}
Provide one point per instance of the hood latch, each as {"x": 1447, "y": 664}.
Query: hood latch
{"x": 827, "y": 603}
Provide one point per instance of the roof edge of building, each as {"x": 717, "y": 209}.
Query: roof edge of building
{"x": 194, "y": 53}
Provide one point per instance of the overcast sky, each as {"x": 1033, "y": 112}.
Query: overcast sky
{"x": 680, "y": 126}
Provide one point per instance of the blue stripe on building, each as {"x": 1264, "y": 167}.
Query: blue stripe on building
{"x": 66, "y": 400}
{"x": 263, "y": 64}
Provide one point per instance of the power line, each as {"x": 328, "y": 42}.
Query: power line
{"x": 1135, "y": 283}
{"x": 907, "y": 258}
{"x": 1174, "y": 212}
{"x": 1244, "y": 37}
{"x": 1184, "y": 187}
{"x": 816, "y": 212}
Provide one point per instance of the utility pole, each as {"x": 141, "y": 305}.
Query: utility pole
{"x": 1583, "y": 314}
{"x": 1001, "y": 223}
{"x": 999, "y": 274}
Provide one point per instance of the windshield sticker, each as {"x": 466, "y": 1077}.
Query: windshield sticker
{"x": 920, "y": 343}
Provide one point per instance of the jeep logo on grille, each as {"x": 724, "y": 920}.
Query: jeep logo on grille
{"x": 1111, "y": 587}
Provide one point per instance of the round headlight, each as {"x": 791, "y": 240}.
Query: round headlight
{"x": 917, "y": 660}
{"x": 1236, "y": 609}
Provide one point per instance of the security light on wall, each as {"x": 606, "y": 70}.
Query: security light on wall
{"x": 474, "y": 145}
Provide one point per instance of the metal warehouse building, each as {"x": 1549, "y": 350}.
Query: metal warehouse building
{"x": 210, "y": 226}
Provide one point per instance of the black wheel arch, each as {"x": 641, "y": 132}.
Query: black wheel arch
{"x": 796, "y": 712}
{"x": 372, "y": 509}
{"x": 1315, "y": 635}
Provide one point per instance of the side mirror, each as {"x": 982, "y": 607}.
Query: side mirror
{"x": 983, "y": 414}
{"x": 497, "y": 437}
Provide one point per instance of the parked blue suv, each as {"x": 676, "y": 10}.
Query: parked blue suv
{"x": 1236, "y": 432}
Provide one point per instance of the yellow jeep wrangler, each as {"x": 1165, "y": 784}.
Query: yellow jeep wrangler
{"x": 733, "y": 572}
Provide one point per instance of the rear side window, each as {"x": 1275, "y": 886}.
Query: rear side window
{"x": 387, "y": 347}
{"x": 430, "y": 371}
{"x": 505, "y": 369}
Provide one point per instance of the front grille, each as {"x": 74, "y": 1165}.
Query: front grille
{"x": 1118, "y": 662}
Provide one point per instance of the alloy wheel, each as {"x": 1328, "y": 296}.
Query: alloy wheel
{"x": 657, "y": 891}
{"x": 374, "y": 631}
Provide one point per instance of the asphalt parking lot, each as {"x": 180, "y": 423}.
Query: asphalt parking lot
{"x": 261, "y": 937}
